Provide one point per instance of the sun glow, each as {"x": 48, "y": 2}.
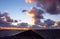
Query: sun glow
{"x": 30, "y": 14}
{"x": 31, "y": 22}
{"x": 28, "y": 1}
{"x": 14, "y": 23}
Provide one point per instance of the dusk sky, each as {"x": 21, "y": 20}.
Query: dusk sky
{"x": 19, "y": 10}
{"x": 15, "y": 7}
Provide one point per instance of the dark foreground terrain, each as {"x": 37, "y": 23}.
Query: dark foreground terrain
{"x": 39, "y": 34}
{"x": 24, "y": 35}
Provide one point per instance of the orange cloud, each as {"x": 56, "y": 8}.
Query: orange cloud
{"x": 35, "y": 13}
{"x": 29, "y": 1}
{"x": 50, "y": 6}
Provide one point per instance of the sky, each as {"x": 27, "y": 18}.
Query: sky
{"x": 15, "y": 7}
{"x": 15, "y": 11}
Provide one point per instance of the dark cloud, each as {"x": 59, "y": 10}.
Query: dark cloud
{"x": 8, "y": 18}
{"x": 3, "y": 23}
{"x": 23, "y": 25}
{"x": 15, "y": 21}
{"x": 49, "y": 22}
{"x": 34, "y": 26}
{"x": 36, "y": 14}
{"x": 50, "y": 6}
{"x": 24, "y": 10}
{"x": 5, "y": 19}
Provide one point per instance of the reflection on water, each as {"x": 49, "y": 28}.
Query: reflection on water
{"x": 9, "y": 33}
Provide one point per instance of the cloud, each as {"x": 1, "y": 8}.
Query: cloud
{"x": 23, "y": 25}
{"x": 35, "y": 13}
{"x": 49, "y": 22}
{"x": 35, "y": 26}
{"x": 57, "y": 23}
{"x": 30, "y": 1}
{"x": 4, "y": 23}
{"x": 15, "y": 21}
{"x": 50, "y": 6}
{"x": 24, "y": 10}
{"x": 5, "y": 19}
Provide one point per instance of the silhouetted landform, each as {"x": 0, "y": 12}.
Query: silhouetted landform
{"x": 49, "y": 33}
{"x": 36, "y": 34}
{"x": 24, "y": 35}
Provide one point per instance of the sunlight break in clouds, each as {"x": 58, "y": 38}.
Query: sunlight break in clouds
{"x": 36, "y": 14}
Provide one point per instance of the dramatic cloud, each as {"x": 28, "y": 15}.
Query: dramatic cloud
{"x": 3, "y": 23}
{"x": 5, "y": 19}
{"x": 50, "y": 6}
{"x": 35, "y": 13}
{"x": 49, "y": 22}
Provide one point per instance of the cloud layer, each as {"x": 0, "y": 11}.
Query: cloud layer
{"x": 50, "y": 6}
{"x": 5, "y": 19}
{"x": 35, "y": 13}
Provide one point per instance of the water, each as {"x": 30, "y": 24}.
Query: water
{"x": 9, "y": 33}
